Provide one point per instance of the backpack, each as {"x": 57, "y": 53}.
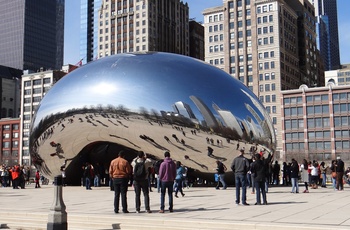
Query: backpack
{"x": 139, "y": 171}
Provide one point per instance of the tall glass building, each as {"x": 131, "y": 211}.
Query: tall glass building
{"x": 89, "y": 29}
{"x": 327, "y": 30}
{"x": 32, "y": 34}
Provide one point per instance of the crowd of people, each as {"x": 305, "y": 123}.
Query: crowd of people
{"x": 171, "y": 178}
{"x": 18, "y": 176}
{"x": 257, "y": 172}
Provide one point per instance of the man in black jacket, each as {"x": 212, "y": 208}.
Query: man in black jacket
{"x": 259, "y": 169}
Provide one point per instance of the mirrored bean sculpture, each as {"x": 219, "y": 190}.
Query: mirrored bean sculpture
{"x": 152, "y": 102}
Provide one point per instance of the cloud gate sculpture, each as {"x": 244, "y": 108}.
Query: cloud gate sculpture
{"x": 154, "y": 102}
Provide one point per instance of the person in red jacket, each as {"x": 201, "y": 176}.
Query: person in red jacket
{"x": 37, "y": 179}
{"x": 15, "y": 171}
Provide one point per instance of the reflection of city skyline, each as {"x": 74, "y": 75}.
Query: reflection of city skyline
{"x": 229, "y": 119}
{"x": 266, "y": 123}
{"x": 208, "y": 116}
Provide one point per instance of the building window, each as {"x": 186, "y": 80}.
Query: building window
{"x": 36, "y": 90}
{"x": 274, "y": 109}
{"x": 274, "y": 120}
{"x": 6, "y": 144}
{"x": 258, "y": 9}
{"x": 273, "y": 86}
{"x": 272, "y": 76}
{"x": 47, "y": 80}
{"x": 273, "y": 98}
{"x": 14, "y": 144}
{"x": 37, "y": 82}
{"x": 250, "y": 78}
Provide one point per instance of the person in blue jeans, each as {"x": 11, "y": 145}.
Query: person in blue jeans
{"x": 167, "y": 174}
{"x": 294, "y": 175}
{"x": 221, "y": 169}
{"x": 259, "y": 170}
{"x": 240, "y": 167}
{"x": 180, "y": 170}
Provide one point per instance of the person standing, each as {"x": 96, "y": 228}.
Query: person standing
{"x": 89, "y": 175}
{"x": 294, "y": 175}
{"x": 259, "y": 169}
{"x": 120, "y": 172}
{"x": 304, "y": 174}
{"x": 167, "y": 173}
{"x": 276, "y": 173}
{"x": 334, "y": 174}
{"x": 323, "y": 169}
{"x": 240, "y": 167}
{"x": 339, "y": 168}
{"x": 141, "y": 164}
{"x": 221, "y": 169}
{"x": 37, "y": 179}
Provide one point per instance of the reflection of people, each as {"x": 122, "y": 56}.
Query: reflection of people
{"x": 141, "y": 181}
{"x": 120, "y": 171}
{"x": 210, "y": 151}
{"x": 240, "y": 166}
{"x": 167, "y": 172}
{"x": 221, "y": 168}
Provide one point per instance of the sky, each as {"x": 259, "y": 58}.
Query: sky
{"x": 72, "y": 26}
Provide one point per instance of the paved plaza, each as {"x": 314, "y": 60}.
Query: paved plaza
{"x": 201, "y": 208}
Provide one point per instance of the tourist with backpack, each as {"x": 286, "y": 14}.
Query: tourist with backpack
{"x": 140, "y": 165}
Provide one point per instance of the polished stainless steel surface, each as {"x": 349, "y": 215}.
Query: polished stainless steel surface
{"x": 151, "y": 102}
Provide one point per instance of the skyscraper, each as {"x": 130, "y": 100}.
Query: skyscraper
{"x": 268, "y": 45}
{"x": 139, "y": 26}
{"x": 89, "y": 29}
{"x": 31, "y": 34}
{"x": 327, "y": 31}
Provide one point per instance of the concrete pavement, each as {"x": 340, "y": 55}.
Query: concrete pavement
{"x": 201, "y": 208}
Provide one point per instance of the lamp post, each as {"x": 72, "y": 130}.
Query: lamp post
{"x": 58, "y": 215}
